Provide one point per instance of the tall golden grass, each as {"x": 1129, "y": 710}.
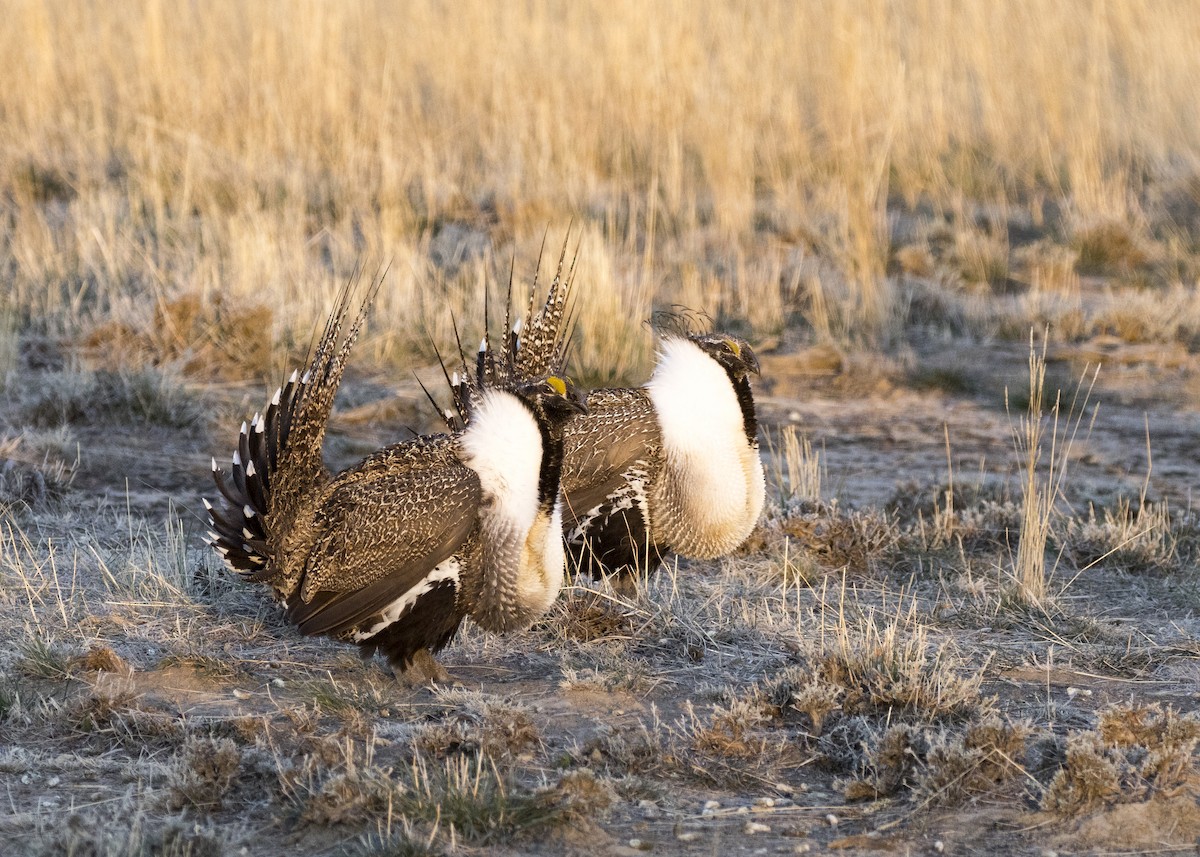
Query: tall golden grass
{"x": 712, "y": 150}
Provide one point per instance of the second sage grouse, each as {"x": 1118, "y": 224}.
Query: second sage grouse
{"x": 669, "y": 466}
{"x": 393, "y": 553}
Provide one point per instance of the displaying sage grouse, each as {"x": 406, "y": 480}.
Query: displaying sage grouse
{"x": 669, "y": 466}
{"x": 393, "y": 553}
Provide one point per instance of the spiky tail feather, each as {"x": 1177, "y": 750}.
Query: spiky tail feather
{"x": 278, "y": 457}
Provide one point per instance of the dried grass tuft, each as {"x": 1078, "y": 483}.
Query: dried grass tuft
{"x": 203, "y": 773}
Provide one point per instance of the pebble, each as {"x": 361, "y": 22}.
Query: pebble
{"x": 743, "y": 810}
{"x": 53, "y": 781}
{"x": 640, "y": 845}
{"x": 802, "y": 848}
{"x": 753, "y": 827}
{"x": 764, "y": 801}
{"x": 277, "y": 682}
{"x": 688, "y": 835}
{"x": 831, "y": 820}
{"x": 649, "y": 809}
{"x": 939, "y": 846}
{"x": 240, "y": 694}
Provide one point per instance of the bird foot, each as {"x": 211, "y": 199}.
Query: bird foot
{"x": 423, "y": 671}
{"x": 625, "y": 584}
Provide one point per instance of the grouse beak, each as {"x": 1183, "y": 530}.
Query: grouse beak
{"x": 578, "y": 401}
{"x": 750, "y": 360}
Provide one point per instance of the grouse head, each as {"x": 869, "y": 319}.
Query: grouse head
{"x": 553, "y": 400}
{"x": 733, "y": 353}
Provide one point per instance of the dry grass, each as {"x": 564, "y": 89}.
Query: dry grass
{"x": 158, "y": 157}
{"x": 1045, "y": 472}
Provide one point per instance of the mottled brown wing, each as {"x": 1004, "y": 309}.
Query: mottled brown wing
{"x": 381, "y": 530}
{"x": 619, "y": 431}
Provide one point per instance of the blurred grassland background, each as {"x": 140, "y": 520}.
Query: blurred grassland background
{"x": 182, "y": 175}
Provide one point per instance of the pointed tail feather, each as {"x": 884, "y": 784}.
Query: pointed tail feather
{"x": 278, "y": 458}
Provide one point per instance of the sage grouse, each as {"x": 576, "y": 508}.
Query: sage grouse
{"x": 393, "y": 553}
{"x": 669, "y": 466}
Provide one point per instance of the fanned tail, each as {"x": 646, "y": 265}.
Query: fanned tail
{"x": 537, "y": 346}
{"x": 533, "y": 344}
{"x": 278, "y": 457}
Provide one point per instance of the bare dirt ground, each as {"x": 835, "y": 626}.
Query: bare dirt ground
{"x": 859, "y": 679}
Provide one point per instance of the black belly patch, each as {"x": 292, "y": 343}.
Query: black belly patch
{"x": 430, "y": 623}
{"x": 613, "y": 537}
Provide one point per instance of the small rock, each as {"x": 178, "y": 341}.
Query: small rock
{"x": 743, "y": 810}
{"x": 752, "y": 827}
{"x": 277, "y": 682}
{"x": 688, "y": 835}
{"x": 939, "y": 846}
{"x": 649, "y": 809}
{"x": 640, "y": 845}
{"x": 802, "y": 848}
{"x": 53, "y": 781}
{"x": 767, "y": 802}
{"x": 240, "y": 694}
{"x": 831, "y": 820}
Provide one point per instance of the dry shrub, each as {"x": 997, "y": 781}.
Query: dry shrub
{"x": 144, "y": 396}
{"x": 888, "y": 669}
{"x": 732, "y": 731}
{"x": 30, "y": 483}
{"x": 105, "y": 833}
{"x": 980, "y": 258}
{"x": 200, "y": 335}
{"x": 471, "y": 798}
{"x": 798, "y": 689}
{"x": 1049, "y": 268}
{"x": 203, "y": 773}
{"x": 888, "y": 766}
{"x": 1112, "y": 247}
{"x": 1136, "y": 753}
{"x": 640, "y": 749}
{"x": 581, "y": 794}
{"x": 350, "y": 797}
{"x": 1125, "y": 538}
{"x": 100, "y": 658}
{"x": 916, "y": 260}
{"x": 587, "y": 616}
{"x": 985, "y": 756}
{"x": 493, "y": 727}
{"x": 1088, "y": 779}
{"x": 854, "y": 540}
